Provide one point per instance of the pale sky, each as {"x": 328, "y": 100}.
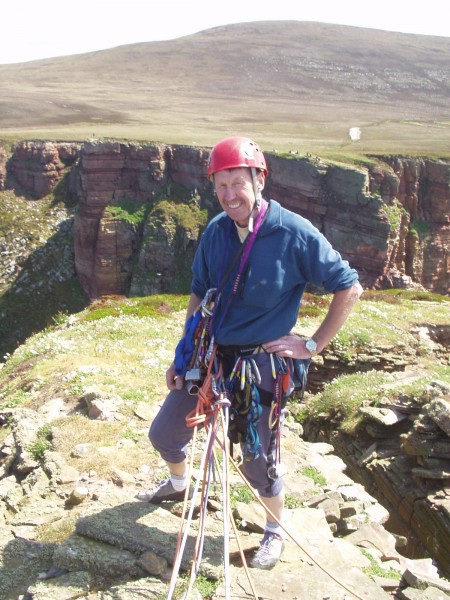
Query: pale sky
{"x": 34, "y": 29}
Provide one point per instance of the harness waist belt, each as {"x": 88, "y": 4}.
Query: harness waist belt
{"x": 250, "y": 349}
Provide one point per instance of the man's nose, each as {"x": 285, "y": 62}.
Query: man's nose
{"x": 229, "y": 193}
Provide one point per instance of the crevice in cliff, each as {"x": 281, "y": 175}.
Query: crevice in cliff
{"x": 401, "y": 455}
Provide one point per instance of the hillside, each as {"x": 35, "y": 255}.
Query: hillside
{"x": 288, "y": 84}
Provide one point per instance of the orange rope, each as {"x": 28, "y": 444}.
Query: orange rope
{"x": 229, "y": 516}
{"x": 203, "y": 411}
{"x": 213, "y": 425}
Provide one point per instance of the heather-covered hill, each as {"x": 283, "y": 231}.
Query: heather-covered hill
{"x": 288, "y": 84}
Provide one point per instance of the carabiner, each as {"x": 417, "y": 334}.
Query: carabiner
{"x": 273, "y": 408}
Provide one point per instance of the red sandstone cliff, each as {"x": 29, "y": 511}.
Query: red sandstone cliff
{"x": 36, "y": 167}
{"x": 391, "y": 221}
{"x": 424, "y": 193}
{"x": 3, "y": 159}
{"x": 104, "y": 246}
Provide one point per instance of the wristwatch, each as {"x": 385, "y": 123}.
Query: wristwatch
{"x": 311, "y": 346}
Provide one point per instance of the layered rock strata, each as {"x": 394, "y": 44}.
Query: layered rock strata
{"x": 390, "y": 219}
{"x": 37, "y": 167}
{"x": 402, "y": 456}
{"x": 3, "y": 160}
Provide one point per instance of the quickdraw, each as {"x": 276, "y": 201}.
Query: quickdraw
{"x": 246, "y": 408}
{"x": 281, "y": 387}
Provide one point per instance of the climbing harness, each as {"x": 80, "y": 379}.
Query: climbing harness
{"x": 193, "y": 350}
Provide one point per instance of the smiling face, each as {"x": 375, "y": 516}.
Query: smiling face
{"x": 234, "y": 189}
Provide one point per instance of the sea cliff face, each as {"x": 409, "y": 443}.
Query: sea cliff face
{"x": 390, "y": 218}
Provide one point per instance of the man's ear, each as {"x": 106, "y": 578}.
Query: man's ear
{"x": 261, "y": 179}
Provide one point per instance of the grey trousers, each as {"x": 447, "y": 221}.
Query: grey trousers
{"x": 170, "y": 436}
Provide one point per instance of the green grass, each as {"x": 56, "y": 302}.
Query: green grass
{"x": 120, "y": 346}
{"x": 398, "y": 296}
{"x": 34, "y": 229}
{"x": 123, "y": 346}
{"x": 240, "y": 493}
{"x": 18, "y": 398}
{"x": 157, "y": 306}
{"x": 395, "y": 212}
{"x": 205, "y": 587}
{"x": 388, "y": 317}
{"x": 376, "y": 570}
{"x": 421, "y": 228}
{"x": 292, "y": 502}
{"x": 132, "y": 434}
{"x": 130, "y": 211}
{"x": 43, "y": 442}
{"x": 342, "y": 398}
{"x": 314, "y": 474}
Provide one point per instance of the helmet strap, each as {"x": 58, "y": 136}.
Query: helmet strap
{"x": 250, "y": 223}
{"x": 258, "y": 198}
{"x": 256, "y": 188}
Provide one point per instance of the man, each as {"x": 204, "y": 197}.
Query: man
{"x": 253, "y": 318}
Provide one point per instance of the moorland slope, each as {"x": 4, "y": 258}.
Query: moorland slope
{"x": 288, "y": 84}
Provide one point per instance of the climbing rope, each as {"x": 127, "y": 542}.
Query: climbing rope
{"x": 212, "y": 412}
{"x": 217, "y": 423}
{"x": 296, "y": 542}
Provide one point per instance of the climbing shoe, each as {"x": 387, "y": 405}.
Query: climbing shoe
{"x": 271, "y": 547}
{"x": 163, "y": 492}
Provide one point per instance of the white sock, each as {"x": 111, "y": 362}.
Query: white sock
{"x": 274, "y": 528}
{"x": 179, "y": 482}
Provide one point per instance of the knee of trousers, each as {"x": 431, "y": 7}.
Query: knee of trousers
{"x": 168, "y": 433}
{"x": 170, "y": 449}
{"x": 156, "y": 436}
{"x": 255, "y": 472}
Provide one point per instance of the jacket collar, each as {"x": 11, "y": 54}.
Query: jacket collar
{"x": 271, "y": 222}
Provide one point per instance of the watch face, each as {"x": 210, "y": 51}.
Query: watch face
{"x": 311, "y": 345}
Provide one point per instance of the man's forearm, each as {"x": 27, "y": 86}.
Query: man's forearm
{"x": 193, "y": 303}
{"x": 338, "y": 312}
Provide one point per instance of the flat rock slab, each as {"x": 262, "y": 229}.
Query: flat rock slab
{"x": 296, "y": 577}
{"x": 139, "y": 527}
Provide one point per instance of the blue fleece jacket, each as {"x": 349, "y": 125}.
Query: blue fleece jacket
{"x": 288, "y": 253}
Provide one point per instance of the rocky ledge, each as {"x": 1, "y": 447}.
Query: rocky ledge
{"x": 402, "y": 455}
{"x": 112, "y": 546}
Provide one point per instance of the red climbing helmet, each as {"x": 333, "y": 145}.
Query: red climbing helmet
{"x": 235, "y": 152}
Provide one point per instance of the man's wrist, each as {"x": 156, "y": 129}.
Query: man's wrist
{"x": 311, "y": 346}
